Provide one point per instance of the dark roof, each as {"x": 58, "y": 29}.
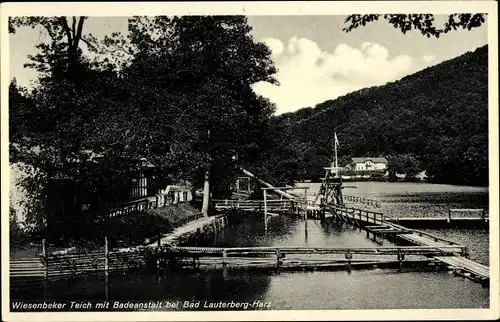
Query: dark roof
{"x": 374, "y": 160}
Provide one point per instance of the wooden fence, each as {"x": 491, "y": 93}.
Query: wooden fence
{"x": 480, "y": 213}
{"x": 252, "y": 204}
{"x": 55, "y": 266}
{"x": 72, "y": 262}
{"x": 187, "y": 219}
{"x": 149, "y": 203}
{"x": 367, "y": 201}
{"x": 360, "y": 214}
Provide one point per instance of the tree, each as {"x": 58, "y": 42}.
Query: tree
{"x": 425, "y": 23}
{"x": 67, "y": 104}
{"x": 404, "y": 163}
{"x": 438, "y": 115}
{"x": 191, "y": 78}
{"x": 181, "y": 100}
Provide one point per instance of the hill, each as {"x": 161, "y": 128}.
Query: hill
{"x": 438, "y": 116}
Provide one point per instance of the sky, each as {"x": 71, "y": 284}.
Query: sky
{"x": 316, "y": 60}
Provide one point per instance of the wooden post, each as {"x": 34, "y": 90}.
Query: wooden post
{"x": 449, "y": 215}
{"x": 348, "y": 256}
{"x": 46, "y": 271}
{"x": 465, "y": 252}
{"x": 400, "y": 259}
{"x": 305, "y": 207}
{"x": 106, "y": 256}
{"x": 278, "y": 259}
{"x": 45, "y": 260}
{"x": 158, "y": 250}
{"x": 265, "y": 209}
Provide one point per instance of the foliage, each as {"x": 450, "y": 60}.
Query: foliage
{"x": 191, "y": 79}
{"x": 276, "y": 162}
{"x": 404, "y": 163}
{"x": 15, "y": 230}
{"x": 174, "y": 92}
{"x": 425, "y": 23}
{"x": 436, "y": 118}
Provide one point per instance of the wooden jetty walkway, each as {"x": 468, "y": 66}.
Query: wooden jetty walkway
{"x": 253, "y": 205}
{"x": 453, "y": 220}
{"x": 376, "y": 224}
{"x": 299, "y": 258}
{"x": 373, "y": 222}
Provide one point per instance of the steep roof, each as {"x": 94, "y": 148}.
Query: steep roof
{"x": 374, "y": 160}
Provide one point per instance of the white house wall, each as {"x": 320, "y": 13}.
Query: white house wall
{"x": 374, "y": 166}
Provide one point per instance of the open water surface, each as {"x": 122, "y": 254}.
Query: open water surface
{"x": 369, "y": 289}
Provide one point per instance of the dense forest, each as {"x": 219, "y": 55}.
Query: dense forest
{"x": 434, "y": 120}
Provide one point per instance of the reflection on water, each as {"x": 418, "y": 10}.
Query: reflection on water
{"x": 371, "y": 289}
{"x": 288, "y": 231}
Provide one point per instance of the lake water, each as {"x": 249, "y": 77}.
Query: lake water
{"x": 404, "y": 199}
{"x": 370, "y": 289}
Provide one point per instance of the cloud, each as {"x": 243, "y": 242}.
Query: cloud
{"x": 275, "y": 45}
{"x": 308, "y": 75}
{"x": 428, "y": 58}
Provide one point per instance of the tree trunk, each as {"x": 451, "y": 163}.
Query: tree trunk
{"x": 206, "y": 192}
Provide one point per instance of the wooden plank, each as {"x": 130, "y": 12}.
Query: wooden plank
{"x": 466, "y": 264}
{"x": 391, "y": 231}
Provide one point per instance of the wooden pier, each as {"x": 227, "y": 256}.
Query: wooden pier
{"x": 300, "y": 258}
{"x": 376, "y": 224}
{"x": 453, "y": 220}
{"x": 253, "y": 205}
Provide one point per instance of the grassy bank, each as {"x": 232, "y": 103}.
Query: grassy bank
{"x": 134, "y": 229}
{"x": 142, "y": 227}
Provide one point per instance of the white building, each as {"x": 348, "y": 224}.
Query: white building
{"x": 368, "y": 164}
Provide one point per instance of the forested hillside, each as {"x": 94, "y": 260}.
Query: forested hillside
{"x": 438, "y": 116}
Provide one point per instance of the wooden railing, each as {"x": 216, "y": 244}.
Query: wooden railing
{"x": 135, "y": 205}
{"x": 187, "y": 219}
{"x": 435, "y": 238}
{"x": 302, "y": 257}
{"x": 251, "y": 204}
{"x": 387, "y": 250}
{"x": 144, "y": 204}
{"x": 360, "y": 214}
{"x": 367, "y": 201}
{"x": 480, "y": 213}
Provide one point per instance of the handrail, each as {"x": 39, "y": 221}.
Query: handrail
{"x": 187, "y": 219}
{"x": 388, "y": 250}
{"x": 436, "y": 238}
{"x": 368, "y": 201}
